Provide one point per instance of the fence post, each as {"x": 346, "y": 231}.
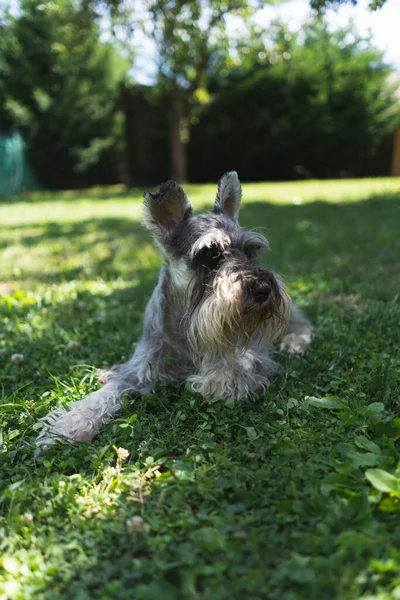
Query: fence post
{"x": 395, "y": 172}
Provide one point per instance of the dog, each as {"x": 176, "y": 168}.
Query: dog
{"x": 212, "y": 320}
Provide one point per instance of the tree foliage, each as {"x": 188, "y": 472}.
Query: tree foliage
{"x": 323, "y": 4}
{"x": 318, "y": 105}
{"x": 58, "y": 84}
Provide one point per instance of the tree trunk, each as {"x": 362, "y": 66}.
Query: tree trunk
{"x": 396, "y": 154}
{"x": 178, "y": 144}
{"x": 139, "y": 130}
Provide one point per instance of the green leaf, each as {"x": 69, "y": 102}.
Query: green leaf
{"x": 330, "y": 403}
{"x": 358, "y": 459}
{"x": 251, "y": 433}
{"x": 366, "y": 444}
{"x": 11, "y": 565}
{"x": 230, "y": 403}
{"x": 376, "y": 412}
{"x": 363, "y": 459}
{"x": 383, "y": 481}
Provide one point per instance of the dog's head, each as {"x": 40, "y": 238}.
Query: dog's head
{"x": 213, "y": 268}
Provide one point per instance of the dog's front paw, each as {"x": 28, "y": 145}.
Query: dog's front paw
{"x": 53, "y": 430}
{"x": 75, "y": 425}
{"x": 296, "y": 343}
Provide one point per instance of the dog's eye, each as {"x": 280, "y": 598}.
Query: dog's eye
{"x": 209, "y": 257}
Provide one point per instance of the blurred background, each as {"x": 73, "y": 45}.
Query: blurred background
{"x": 96, "y": 92}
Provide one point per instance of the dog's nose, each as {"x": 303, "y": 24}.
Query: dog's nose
{"x": 261, "y": 290}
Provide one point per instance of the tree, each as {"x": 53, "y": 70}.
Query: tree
{"x": 58, "y": 85}
{"x": 187, "y": 34}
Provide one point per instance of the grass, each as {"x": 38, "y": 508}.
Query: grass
{"x": 295, "y": 496}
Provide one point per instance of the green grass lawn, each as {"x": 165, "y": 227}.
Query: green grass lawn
{"x": 295, "y": 496}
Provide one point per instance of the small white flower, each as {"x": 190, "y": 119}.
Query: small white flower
{"x": 17, "y": 358}
{"x": 110, "y": 471}
{"x": 122, "y": 453}
{"x": 135, "y": 524}
{"x": 28, "y": 517}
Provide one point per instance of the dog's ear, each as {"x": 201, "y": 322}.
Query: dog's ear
{"x": 229, "y": 195}
{"x": 165, "y": 209}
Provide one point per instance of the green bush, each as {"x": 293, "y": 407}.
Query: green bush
{"x": 58, "y": 85}
{"x": 320, "y": 105}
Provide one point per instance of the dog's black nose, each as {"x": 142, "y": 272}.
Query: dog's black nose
{"x": 261, "y": 291}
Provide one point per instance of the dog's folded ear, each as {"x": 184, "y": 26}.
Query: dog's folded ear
{"x": 229, "y": 195}
{"x": 165, "y": 209}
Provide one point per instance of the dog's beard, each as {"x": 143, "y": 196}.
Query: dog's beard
{"x": 226, "y": 318}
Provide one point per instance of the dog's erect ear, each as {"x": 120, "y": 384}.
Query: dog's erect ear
{"x": 165, "y": 209}
{"x": 229, "y": 195}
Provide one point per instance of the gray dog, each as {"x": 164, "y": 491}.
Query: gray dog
{"x": 211, "y": 320}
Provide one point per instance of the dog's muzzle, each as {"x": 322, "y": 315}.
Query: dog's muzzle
{"x": 260, "y": 291}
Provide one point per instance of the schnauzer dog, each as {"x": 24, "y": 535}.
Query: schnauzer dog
{"x": 212, "y": 319}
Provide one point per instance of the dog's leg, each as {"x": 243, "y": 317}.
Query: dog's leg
{"x": 85, "y": 417}
{"x": 298, "y": 334}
